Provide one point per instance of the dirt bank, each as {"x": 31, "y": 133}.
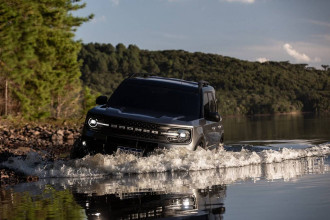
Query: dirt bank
{"x": 50, "y": 141}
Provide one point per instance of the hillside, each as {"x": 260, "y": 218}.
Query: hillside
{"x": 242, "y": 87}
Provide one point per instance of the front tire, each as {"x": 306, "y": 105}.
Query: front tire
{"x": 78, "y": 151}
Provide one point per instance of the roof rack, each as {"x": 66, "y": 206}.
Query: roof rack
{"x": 178, "y": 80}
{"x": 200, "y": 84}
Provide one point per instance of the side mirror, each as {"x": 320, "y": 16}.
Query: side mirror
{"x": 101, "y": 100}
{"x": 214, "y": 116}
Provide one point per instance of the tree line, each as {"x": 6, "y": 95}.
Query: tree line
{"x": 45, "y": 72}
{"x": 242, "y": 87}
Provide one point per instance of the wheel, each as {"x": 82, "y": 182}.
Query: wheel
{"x": 78, "y": 151}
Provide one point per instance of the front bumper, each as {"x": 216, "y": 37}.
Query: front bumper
{"x": 98, "y": 142}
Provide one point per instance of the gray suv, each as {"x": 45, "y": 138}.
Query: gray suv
{"x": 149, "y": 112}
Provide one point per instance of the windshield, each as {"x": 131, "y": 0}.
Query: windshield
{"x": 155, "y": 100}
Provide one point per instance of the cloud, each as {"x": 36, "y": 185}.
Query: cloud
{"x": 262, "y": 59}
{"x": 299, "y": 57}
{"x": 242, "y": 1}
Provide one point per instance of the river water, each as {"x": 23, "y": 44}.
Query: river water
{"x": 271, "y": 167}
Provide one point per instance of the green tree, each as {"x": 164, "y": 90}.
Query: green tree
{"x": 133, "y": 59}
{"x": 18, "y": 31}
{"x": 152, "y": 67}
{"x": 120, "y": 51}
{"x": 56, "y": 44}
{"x": 113, "y": 63}
{"x": 39, "y": 54}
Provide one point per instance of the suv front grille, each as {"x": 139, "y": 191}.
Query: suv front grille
{"x": 133, "y": 128}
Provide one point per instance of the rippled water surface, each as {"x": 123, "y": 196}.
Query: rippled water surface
{"x": 269, "y": 168}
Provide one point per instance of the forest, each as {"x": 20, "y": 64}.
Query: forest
{"x": 39, "y": 67}
{"x": 46, "y": 73}
{"x": 242, "y": 87}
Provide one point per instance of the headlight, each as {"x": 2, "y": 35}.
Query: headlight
{"x": 92, "y": 122}
{"x": 177, "y": 135}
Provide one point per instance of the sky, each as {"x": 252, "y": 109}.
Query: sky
{"x": 256, "y": 30}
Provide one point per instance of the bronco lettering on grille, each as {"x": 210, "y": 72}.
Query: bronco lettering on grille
{"x": 122, "y": 127}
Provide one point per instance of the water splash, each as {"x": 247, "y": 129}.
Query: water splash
{"x": 184, "y": 182}
{"x": 167, "y": 160}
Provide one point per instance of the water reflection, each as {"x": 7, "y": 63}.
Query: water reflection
{"x": 201, "y": 194}
{"x": 48, "y": 203}
{"x": 280, "y": 127}
{"x": 145, "y": 203}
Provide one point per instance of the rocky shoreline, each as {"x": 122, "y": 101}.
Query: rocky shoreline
{"x": 52, "y": 142}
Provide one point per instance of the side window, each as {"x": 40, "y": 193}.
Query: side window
{"x": 206, "y": 105}
{"x": 213, "y": 106}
